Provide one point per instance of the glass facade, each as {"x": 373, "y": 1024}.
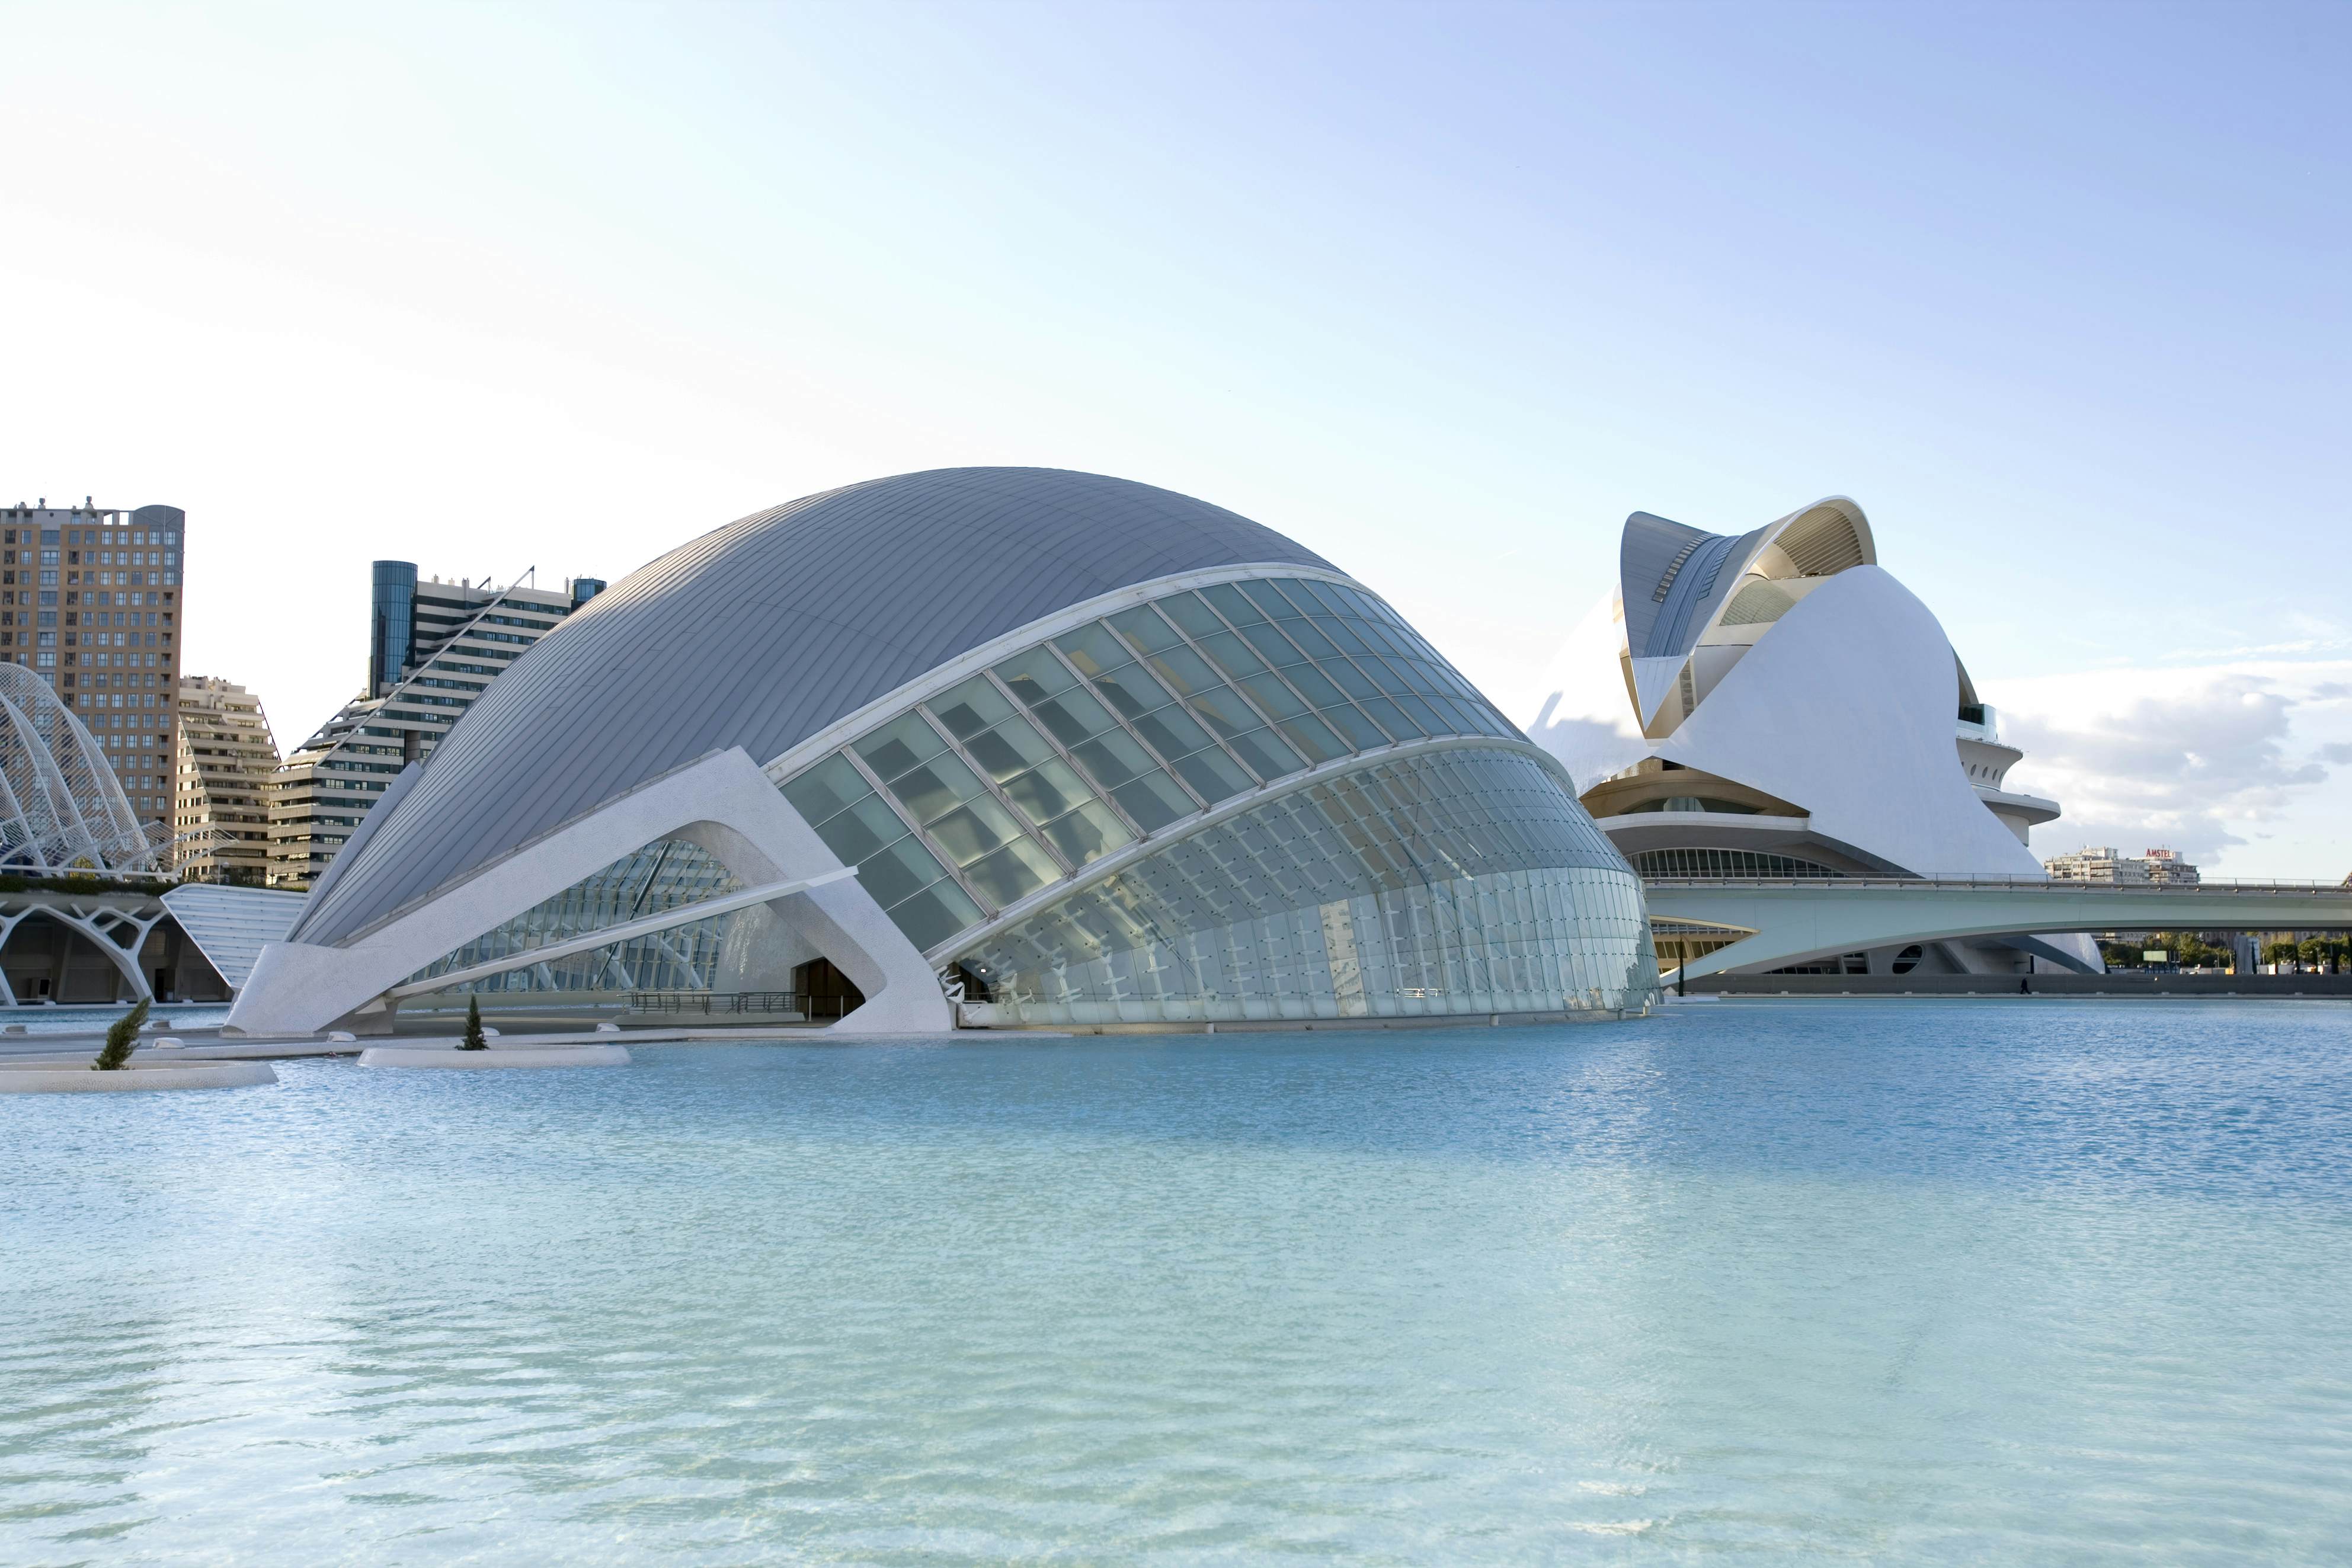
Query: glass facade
{"x": 1724, "y": 863}
{"x": 1459, "y": 879}
{"x": 1449, "y": 882}
{"x": 660, "y": 877}
{"x": 1021, "y": 776}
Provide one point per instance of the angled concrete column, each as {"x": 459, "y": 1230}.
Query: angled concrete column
{"x": 723, "y": 802}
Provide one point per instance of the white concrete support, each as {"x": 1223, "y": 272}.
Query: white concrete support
{"x": 628, "y": 931}
{"x": 99, "y": 925}
{"x": 723, "y": 802}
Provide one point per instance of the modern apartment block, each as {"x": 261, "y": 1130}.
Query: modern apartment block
{"x": 2105, "y": 865}
{"x": 433, "y": 649}
{"x": 227, "y": 759}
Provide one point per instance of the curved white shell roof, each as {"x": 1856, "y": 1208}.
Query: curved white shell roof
{"x": 759, "y": 636}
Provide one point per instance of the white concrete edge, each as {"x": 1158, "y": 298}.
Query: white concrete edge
{"x": 495, "y": 1057}
{"x": 49, "y": 1078}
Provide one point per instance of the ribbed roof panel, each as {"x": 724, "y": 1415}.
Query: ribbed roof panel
{"x": 759, "y": 636}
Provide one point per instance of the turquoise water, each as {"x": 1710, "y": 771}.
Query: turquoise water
{"x": 2021, "y": 1282}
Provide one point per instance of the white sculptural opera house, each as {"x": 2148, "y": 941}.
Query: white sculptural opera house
{"x": 1777, "y": 704}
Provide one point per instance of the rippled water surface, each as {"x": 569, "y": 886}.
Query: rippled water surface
{"x": 2029, "y": 1282}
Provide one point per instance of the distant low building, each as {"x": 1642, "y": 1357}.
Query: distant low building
{"x": 221, "y": 802}
{"x": 2106, "y": 865}
{"x": 433, "y": 649}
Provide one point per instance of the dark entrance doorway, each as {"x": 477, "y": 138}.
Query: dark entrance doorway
{"x": 825, "y": 992}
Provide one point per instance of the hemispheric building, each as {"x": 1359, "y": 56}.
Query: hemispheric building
{"x": 1776, "y": 704}
{"x": 1098, "y": 753}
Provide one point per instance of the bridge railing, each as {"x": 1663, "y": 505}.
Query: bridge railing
{"x": 1965, "y": 881}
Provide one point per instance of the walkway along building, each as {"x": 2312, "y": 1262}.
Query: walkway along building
{"x": 433, "y": 649}
{"x": 994, "y": 746}
{"x": 1776, "y": 705}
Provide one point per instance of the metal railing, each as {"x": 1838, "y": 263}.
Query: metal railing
{"x": 718, "y": 1003}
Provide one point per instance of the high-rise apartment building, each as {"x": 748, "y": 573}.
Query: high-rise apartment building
{"x": 227, "y": 757}
{"x": 433, "y": 649}
{"x": 91, "y": 599}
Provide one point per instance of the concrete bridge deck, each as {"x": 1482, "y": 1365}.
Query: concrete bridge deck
{"x": 1798, "y": 920}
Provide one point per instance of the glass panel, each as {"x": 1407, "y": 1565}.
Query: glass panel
{"x": 1047, "y": 791}
{"x": 1092, "y": 648}
{"x": 1272, "y": 646}
{"x": 935, "y": 914}
{"x": 1268, "y": 598}
{"x": 1314, "y": 737}
{"x": 898, "y": 870}
{"x": 971, "y": 708}
{"x": 1130, "y": 691}
{"x": 1315, "y": 686}
{"x": 1188, "y": 612}
{"x": 1224, "y": 710}
{"x": 1424, "y": 715}
{"x": 1232, "y": 653}
{"x": 1113, "y": 759}
{"x": 972, "y": 831}
{"x": 1274, "y": 696}
{"x": 1342, "y": 632}
{"x": 1013, "y": 872}
{"x": 1463, "y": 883}
{"x": 1072, "y": 717}
{"x": 825, "y": 788}
{"x": 1316, "y": 645}
{"x": 1144, "y": 628}
{"x": 900, "y": 744}
{"x": 1214, "y": 775}
{"x": 1035, "y": 675}
{"x": 865, "y": 828}
{"x": 936, "y": 788}
{"x": 1171, "y": 731}
{"x": 1008, "y": 749}
{"x": 1231, "y": 605}
{"x": 1331, "y": 597}
{"x": 1185, "y": 670}
{"x": 1358, "y": 729}
{"x": 1266, "y": 753}
{"x": 1385, "y": 714}
{"x": 1154, "y": 801}
{"x": 1349, "y": 678}
{"x": 1088, "y": 834}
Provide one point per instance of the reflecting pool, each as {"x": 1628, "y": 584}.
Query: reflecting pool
{"x": 1916, "y": 1282}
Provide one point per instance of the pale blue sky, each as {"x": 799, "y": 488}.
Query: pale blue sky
{"x": 1444, "y": 291}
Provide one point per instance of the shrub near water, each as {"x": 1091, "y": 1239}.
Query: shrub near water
{"x": 122, "y": 1036}
{"x": 473, "y": 1040}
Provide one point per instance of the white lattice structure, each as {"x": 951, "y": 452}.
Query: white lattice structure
{"x": 61, "y": 807}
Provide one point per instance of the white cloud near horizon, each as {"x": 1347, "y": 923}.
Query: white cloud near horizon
{"x": 2234, "y": 765}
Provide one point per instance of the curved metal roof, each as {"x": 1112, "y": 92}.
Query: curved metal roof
{"x": 759, "y": 636}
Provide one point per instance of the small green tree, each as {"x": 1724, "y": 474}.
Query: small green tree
{"x": 122, "y": 1038}
{"x": 2313, "y": 951}
{"x": 474, "y": 1040}
{"x": 2280, "y": 953}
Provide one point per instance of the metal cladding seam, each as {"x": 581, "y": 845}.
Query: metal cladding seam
{"x": 760, "y": 635}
